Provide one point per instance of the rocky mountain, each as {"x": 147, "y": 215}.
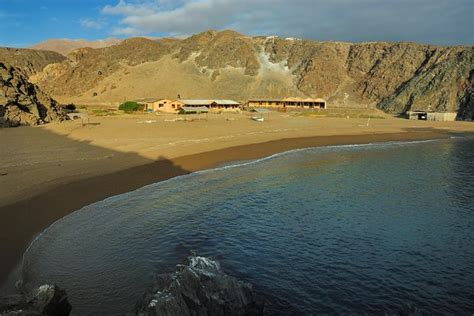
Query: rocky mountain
{"x": 65, "y": 46}
{"x": 23, "y": 103}
{"x": 466, "y": 108}
{"x": 86, "y": 68}
{"x": 395, "y": 77}
{"x": 30, "y": 60}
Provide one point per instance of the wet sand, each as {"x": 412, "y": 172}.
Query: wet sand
{"x": 87, "y": 169}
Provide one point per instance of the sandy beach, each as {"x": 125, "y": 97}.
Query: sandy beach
{"x": 50, "y": 171}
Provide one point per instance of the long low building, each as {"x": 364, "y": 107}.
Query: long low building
{"x": 431, "y": 116}
{"x": 307, "y": 103}
{"x": 174, "y": 106}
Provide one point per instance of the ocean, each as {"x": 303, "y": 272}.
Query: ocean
{"x": 377, "y": 228}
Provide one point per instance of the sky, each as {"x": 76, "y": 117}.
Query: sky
{"x": 444, "y": 22}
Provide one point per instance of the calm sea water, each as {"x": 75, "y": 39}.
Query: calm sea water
{"x": 380, "y": 228}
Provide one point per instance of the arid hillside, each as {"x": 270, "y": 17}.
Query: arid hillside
{"x": 395, "y": 77}
{"x": 65, "y": 46}
{"x": 30, "y": 60}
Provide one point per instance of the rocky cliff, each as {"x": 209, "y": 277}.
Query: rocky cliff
{"x": 443, "y": 85}
{"x": 395, "y": 77}
{"x": 23, "y": 103}
{"x": 466, "y": 109}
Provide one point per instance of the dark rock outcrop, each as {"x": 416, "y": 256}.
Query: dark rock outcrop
{"x": 23, "y": 103}
{"x": 46, "y": 300}
{"x": 442, "y": 87}
{"x": 466, "y": 110}
{"x": 200, "y": 287}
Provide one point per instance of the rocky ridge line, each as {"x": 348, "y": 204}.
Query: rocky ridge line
{"x": 395, "y": 77}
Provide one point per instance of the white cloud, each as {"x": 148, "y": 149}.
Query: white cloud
{"x": 441, "y": 21}
{"x": 128, "y": 31}
{"x": 124, "y": 8}
{"x": 91, "y": 24}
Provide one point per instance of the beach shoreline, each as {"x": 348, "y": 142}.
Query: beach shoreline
{"x": 21, "y": 224}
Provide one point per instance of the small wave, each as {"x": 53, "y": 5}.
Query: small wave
{"x": 292, "y": 151}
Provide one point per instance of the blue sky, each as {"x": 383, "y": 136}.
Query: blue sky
{"x": 445, "y": 22}
{"x": 26, "y": 22}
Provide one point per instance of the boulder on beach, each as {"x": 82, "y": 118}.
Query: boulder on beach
{"x": 23, "y": 103}
{"x": 200, "y": 287}
{"x": 46, "y": 300}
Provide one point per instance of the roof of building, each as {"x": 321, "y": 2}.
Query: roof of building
{"x": 264, "y": 100}
{"x": 227, "y": 102}
{"x": 289, "y": 99}
{"x": 428, "y": 111}
{"x": 178, "y": 101}
{"x": 147, "y": 100}
{"x": 207, "y": 102}
{"x": 303, "y": 100}
{"x": 195, "y": 101}
{"x": 194, "y": 109}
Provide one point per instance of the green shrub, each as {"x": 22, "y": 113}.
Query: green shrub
{"x": 130, "y": 106}
{"x": 70, "y": 107}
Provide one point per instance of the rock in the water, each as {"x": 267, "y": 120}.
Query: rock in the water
{"x": 23, "y": 103}
{"x": 46, "y": 300}
{"x": 200, "y": 287}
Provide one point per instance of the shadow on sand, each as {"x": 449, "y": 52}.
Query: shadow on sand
{"x": 21, "y": 221}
